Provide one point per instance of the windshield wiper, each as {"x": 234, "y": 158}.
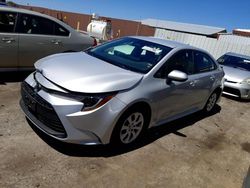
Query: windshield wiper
{"x": 128, "y": 68}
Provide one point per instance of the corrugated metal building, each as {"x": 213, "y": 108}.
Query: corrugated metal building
{"x": 213, "y": 39}
{"x": 184, "y": 27}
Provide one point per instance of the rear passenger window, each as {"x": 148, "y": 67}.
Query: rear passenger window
{"x": 60, "y": 31}
{"x": 7, "y": 22}
{"x": 203, "y": 62}
{"x": 35, "y": 25}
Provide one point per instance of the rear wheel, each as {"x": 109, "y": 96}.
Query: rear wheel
{"x": 211, "y": 102}
{"x": 130, "y": 127}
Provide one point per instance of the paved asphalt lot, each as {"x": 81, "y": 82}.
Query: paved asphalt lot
{"x": 195, "y": 151}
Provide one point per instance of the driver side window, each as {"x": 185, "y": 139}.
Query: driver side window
{"x": 181, "y": 61}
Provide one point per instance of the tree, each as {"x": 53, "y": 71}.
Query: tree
{"x": 11, "y": 4}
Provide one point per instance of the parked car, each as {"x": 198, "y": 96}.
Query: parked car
{"x": 237, "y": 74}
{"x": 115, "y": 91}
{"x": 26, "y": 36}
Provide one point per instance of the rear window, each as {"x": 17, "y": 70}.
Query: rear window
{"x": 203, "y": 63}
{"x": 61, "y": 31}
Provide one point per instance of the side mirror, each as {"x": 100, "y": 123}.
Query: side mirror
{"x": 178, "y": 76}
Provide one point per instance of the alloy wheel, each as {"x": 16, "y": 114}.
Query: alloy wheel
{"x": 131, "y": 127}
{"x": 211, "y": 102}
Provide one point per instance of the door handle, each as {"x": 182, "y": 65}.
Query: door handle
{"x": 8, "y": 40}
{"x": 56, "y": 42}
{"x": 212, "y": 78}
{"x": 193, "y": 83}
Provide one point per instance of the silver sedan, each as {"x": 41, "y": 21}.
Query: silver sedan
{"x": 26, "y": 36}
{"x": 237, "y": 74}
{"x": 114, "y": 92}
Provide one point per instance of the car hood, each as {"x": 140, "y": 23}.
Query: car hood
{"x": 81, "y": 72}
{"x": 235, "y": 74}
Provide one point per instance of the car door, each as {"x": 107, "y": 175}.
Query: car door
{"x": 39, "y": 37}
{"x": 8, "y": 40}
{"x": 176, "y": 98}
{"x": 205, "y": 75}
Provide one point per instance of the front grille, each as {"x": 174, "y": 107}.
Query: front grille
{"x": 41, "y": 109}
{"x": 232, "y": 91}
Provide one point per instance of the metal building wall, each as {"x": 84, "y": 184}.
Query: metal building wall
{"x": 235, "y": 39}
{"x": 217, "y": 47}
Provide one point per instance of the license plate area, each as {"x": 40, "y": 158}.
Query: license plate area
{"x": 29, "y": 101}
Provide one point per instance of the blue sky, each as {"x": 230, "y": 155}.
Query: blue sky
{"x": 228, "y": 14}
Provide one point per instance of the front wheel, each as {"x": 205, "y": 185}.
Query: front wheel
{"x": 130, "y": 127}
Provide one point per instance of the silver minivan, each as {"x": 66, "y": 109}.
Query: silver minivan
{"x": 115, "y": 91}
{"x": 26, "y": 36}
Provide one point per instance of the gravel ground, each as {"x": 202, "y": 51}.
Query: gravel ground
{"x": 195, "y": 151}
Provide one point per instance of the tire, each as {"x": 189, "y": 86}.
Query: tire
{"x": 130, "y": 127}
{"x": 211, "y": 102}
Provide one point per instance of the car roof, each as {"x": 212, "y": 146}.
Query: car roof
{"x": 15, "y": 9}
{"x": 170, "y": 43}
{"x": 164, "y": 42}
{"x": 237, "y": 55}
{"x": 25, "y": 11}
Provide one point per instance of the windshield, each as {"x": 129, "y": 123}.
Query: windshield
{"x": 235, "y": 62}
{"x": 131, "y": 54}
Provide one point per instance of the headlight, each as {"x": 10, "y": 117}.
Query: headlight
{"x": 94, "y": 102}
{"x": 246, "y": 81}
{"x": 90, "y": 101}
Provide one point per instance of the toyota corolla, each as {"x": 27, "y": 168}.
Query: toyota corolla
{"x": 115, "y": 91}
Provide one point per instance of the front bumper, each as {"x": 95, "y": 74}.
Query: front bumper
{"x": 237, "y": 90}
{"x": 87, "y": 128}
